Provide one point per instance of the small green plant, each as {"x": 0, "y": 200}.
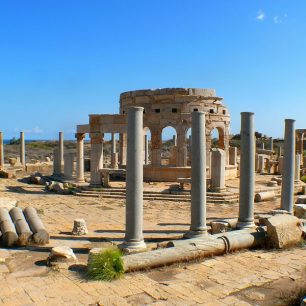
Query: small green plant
{"x": 303, "y": 178}
{"x": 106, "y": 265}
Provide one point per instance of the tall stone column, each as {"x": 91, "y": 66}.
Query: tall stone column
{"x": 262, "y": 145}
{"x": 302, "y": 149}
{"x": 80, "y": 158}
{"x": 61, "y": 150}
{"x": 1, "y": 151}
{"x": 113, "y": 143}
{"x": 22, "y": 149}
{"x": 218, "y": 158}
{"x": 174, "y": 140}
{"x": 297, "y": 170}
{"x": 280, "y": 164}
{"x": 122, "y": 148}
{"x": 288, "y": 167}
{"x": 146, "y": 150}
{"x": 96, "y": 158}
{"x": 134, "y": 181}
{"x": 271, "y": 143}
{"x": 198, "y": 177}
{"x": 247, "y": 178}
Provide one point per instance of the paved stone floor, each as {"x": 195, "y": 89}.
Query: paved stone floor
{"x": 243, "y": 278}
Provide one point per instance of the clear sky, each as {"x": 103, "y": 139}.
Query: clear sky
{"x": 61, "y": 60}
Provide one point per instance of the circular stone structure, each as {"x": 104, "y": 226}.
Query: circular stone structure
{"x": 173, "y": 107}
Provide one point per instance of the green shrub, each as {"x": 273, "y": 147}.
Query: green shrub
{"x": 106, "y": 265}
{"x": 304, "y": 178}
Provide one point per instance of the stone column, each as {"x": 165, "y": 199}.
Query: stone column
{"x": 68, "y": 164}
{"x": 1, "y": 151}
{"x": 96, "y": 158}
{"x": 146, "y": 147}
{"x": 302, "y": 149}
{"x": 114, "y": 160}
{"x": 233, "y": 156}
{"x": 297, "y": 171}
{"x": 247, "y": 178}
{"x": 262, "y": 145}
{"x": 288, "y": 168}
{"x": 174, "y": 140}
{"x": 279, "y": 151}
{"x": 114, "y": 143}
{"x": 22, "y": 149}
{"x": 134, "y": 181}
{"x": 80, "y": 158}
{"x": 271, "y": 143}
{"x": 61, "y": 149}
{"x": 122, "y": 148}
{"x": 218, "y": 170}
{"x": 261, "y": 164}
{"x": 198, "y": 177}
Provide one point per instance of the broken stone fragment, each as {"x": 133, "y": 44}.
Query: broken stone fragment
{"x": 300, "y": 211}
{"x": 79, "y": 227}
{"x": 219, "y": 227}
{"x": 301, "y": 199}
{"x": 283, "y": 231}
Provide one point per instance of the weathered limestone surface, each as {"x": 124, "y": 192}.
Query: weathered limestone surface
{"x": 264, "y": 196}
{"x": 300, "y": 211}
{"x": 218, "y": 170}
{"x": 283, "y": 231}
{"x": 79, "y": 227}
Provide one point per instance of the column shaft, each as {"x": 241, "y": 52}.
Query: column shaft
{"x": 198, "y": 177}
{"x": 146, "y": 147}
{"x": 113, "y": 143}
{"x": 61, "y": 150}
{"x": 1, "y": 151}
{"x": 134, "y": 181}
{"x": 247, "y": 169}
{"x": 96, "y": 158}
{"x": 80, "y": 158}
{"x": 288, "y": 167}
{"x": 22, "y": 149}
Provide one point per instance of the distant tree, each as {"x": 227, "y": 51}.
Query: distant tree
{"x": 14, "y": 141}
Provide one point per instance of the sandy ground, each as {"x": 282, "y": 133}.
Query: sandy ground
{"x": 246, "y": 278}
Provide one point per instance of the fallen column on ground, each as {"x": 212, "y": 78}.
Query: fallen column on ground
{"x": 40, "y": 234}
{"x": 23, "y": 230}
{"x": 9, "y": 234}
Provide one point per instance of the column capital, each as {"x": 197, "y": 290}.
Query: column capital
{"x": 80, "y": 136}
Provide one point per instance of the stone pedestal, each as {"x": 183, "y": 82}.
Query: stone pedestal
{"x": 261, "y": 164}
{"x": 247, "y": 175}
{"x": 134, "y": 181}
{"x": 218, "y": 170}
{"x": 96, "y": 154}
{"x": 233, "y": 156}
{"x": 289, "y": 166}
{"x": 80, "y": 158}
{"x": 198, "y": 177}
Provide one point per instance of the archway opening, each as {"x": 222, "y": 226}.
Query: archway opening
{"x": 217, "y": 138}
{"x": 169, "y": 146}
{"x": 188, "y": 141}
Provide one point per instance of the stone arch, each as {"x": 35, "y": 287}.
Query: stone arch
{"x": 217, "y": 135}
{"x": 169, "y": 146}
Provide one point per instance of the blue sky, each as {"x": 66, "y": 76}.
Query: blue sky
{"x": 62, "y": 60}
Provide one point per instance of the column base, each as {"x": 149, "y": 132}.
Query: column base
{"x": 132, "y": 245}
{"x": 195, "y": 234}
{"x": 245, "y": 224}
{"x": 80, "y": 180}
